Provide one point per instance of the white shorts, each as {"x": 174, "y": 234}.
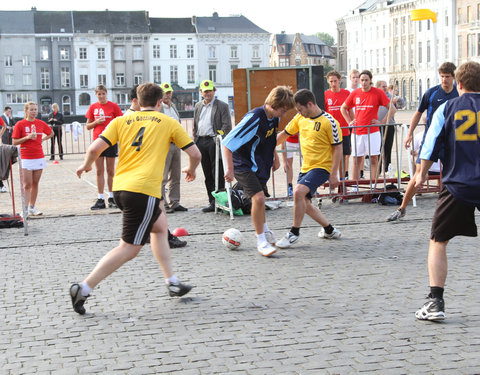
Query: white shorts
{"x": 34, "y": 164}
{"x": 361, "y": 145}
{"x": 291, "y": 149}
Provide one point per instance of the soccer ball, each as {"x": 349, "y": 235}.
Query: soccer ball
{"x": 232, "y": 238}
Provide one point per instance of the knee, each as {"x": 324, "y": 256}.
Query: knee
{"x": 299, "y": 193}
{"x": 258, "y": 199}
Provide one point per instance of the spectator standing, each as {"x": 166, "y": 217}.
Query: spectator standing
{"x": 55, "y": 119}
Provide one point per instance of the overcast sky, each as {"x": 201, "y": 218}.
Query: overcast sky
{"x": 289, "y": 16}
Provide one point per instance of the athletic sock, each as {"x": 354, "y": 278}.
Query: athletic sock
{"x": 328, "y": 229}
{"x": 101, "y": 196}
{"x": 110, "y": 194}
{"x": 295, "y": 231}
{"x": 86, "y": 290}
{"x": 265, "y": 227}
{"x": 172, "y": 280}
{"x": 436, "y": 292}
{"x": 261, "y": 238}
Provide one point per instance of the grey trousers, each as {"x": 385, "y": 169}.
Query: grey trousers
{"x": 171, "y": 177}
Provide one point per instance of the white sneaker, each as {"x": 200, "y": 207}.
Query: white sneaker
{"x": 270, "y": 237}
{"x": 266, "y": 249}
{"x": 286, "y": 241}
{"x": 354, "y": 189}
{"x": 34, "y": 211}
{"x": 3, "y": 189}
{"x": 336, "y": 234}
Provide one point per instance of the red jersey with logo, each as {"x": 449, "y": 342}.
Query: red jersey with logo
{"x": 333, "y": 102}
{"x": 32, "y": 148}
{"x": 366, "y": 107}
{"x": 108, "y": 110}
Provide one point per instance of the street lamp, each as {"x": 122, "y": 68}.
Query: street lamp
{"x": 427, "y": 14}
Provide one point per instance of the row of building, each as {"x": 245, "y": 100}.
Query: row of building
{"x": 380, "y": 35}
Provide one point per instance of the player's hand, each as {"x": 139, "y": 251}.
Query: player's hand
{"x": 276, "y": 164}
{"x": 228, "y": 175}
{"x": 83, "y": 168}
{"x": 353, "y": 122}
{"x": 190, "y": 175}
{"x": 420, "y": 180}
{"x": 101, "y": 120}
{"x": 408, "y": 141}
{"x": 376, "y": 122}
{"x": 333, "y": 180}
{"x": 32, "y": 136}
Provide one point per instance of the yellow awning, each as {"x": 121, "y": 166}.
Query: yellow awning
{"x": 423, "y": 14}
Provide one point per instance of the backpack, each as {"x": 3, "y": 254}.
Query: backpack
{"x": 393, "y": 198}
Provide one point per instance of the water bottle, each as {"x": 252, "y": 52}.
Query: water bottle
{"x": 33, "y": 130}
{"x": 390, "y": 171}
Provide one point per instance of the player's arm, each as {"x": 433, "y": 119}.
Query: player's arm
{"x": 276, "y": 160}
{"x": 194, "y": 158}
{"x": 92, "y": 123}
{"x": 282, "y": 137}
{"x": 228, "y": 155}
{"x": 391, "y": 112}
{"x": 347, "y": 114}
{"x": 93, "y": 152}
{"x": 336, "y": 160}
{"x": 413, "y": 124}
{"x": 48, "y": 136}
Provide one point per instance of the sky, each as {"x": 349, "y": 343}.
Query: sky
{"x": 311, "y": 17}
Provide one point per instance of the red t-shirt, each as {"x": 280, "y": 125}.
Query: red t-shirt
{"x": 366, "y": 107}
{"x": 109, "y": 110}
{"x": 333, "y": 102}
{"x": 1, "y": 122}
{"x": 31, "y": 149}
{"x": 292, "y": 138}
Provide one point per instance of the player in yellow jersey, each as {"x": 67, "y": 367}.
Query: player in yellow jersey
{"x": 321, "y": 145}
{"x": 144, "y": 139}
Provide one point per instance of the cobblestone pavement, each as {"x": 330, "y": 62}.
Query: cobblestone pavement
{"x": 321, "y": 307}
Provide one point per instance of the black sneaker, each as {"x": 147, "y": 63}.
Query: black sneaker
{"x": 433, "y": 309}
{"x": 99, "y": 204}
{"x": 77, "y": 299}
{"x": 180, "y": 208}
{"x": 111, "y": 203}
{"x": 178, "y": 289}
{"x": 176, "y": 242}
{"x": 209, "y": 208}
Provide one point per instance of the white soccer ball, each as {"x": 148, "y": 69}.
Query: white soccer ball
{"x": 232, "y": 238}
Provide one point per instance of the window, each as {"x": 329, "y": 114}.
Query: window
{"x": 190, "y": 73}
{"x": 44, "y": 78}
{"x": 428, "y": 51}
{"x": 233, "y": 67}
{"x": 82, "y": 53}
{"x": 283, "y": 62}
{"x": 428, "y": 24}
{"x": 101, "y": 53}
{"x": 121, "y": 98}
{"x": 190, "y": 53}
{"x": 446, "y": 48}
{"x": 137, "y": 53}
{"x": 412, "y": 89}
{"x": 156, "y": 51}
{"x": 138, "y": 79}
{"x": 66, "y": 107}
{"x": 420, "y": 92}
{"x": 26, "y": 60}
{"x": 157, "y": 76}
{"x": 102, "y": 79}
{"x": 84, "y": 99}
{"x": 212, "y": 73}
{"x": 119, "y": 53}
{"x": 83, "y": 80}
{"x": 8, "y": 61}
{"x": 43, "y": 52}
{"x": 460, "y": 49}
{"x": 470, "y": 45}
{"x": 9, "y": 79}
{"x": 120, "y": 79}
{"x": 428, "y": 83}
{"x": 234, "y": 52}
{"x": 173, "y": 74}
{"x": 65, "y": 77}
{"x": 478, "y": 13}
{"x": 173, "y": 51}
{"x": 469, "y": 14}
{"x": 419, "y": 52}
{"x": 459, "y": 16}
{"x": 256, "y": 52}
{"x": 27, "y": 79}
{"x": 19, "y": 98}
{"x": 419, "y": 26}
{"x": 211, "y": 52}
{"x": 64, "y": 53}
{"x": 478, "y": 44}
{"x": 446, "y": 17}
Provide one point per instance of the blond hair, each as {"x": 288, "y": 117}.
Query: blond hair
{"x": 280, "y": 97}
{"x": 25, "y": 108}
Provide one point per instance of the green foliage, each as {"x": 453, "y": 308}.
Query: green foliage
{"x": 326, "y": 38}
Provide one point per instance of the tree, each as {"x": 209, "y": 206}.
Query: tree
{"x": 326, "y": 38}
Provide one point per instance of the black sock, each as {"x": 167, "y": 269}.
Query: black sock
{"x": 290, "y": 185}
{"x": 436, "y": 292}
{"x": 329, "y": 229}
{"x": 295, "y": 231}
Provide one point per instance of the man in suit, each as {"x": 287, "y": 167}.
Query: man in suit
{"x": 211, "y": 117}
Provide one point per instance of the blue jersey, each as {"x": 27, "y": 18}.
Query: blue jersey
{"x": 433, "y": 98}
{"x": 253, "y": 142}
{"x": 455, "y": 130}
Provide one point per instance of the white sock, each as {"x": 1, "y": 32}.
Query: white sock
{"x": 100, "y": 196}
{"x": 86, "y": 290}
{"x": 265, "y": 227}
{"x": 110, "y": 194}
{"x": 261, "y": 238}
{"x": 172, "y": 280}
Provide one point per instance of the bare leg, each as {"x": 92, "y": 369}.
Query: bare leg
{"x": 110, "y": 172}
{"x": 300, "y": 203}
{"x": 373, "y": 167}
{"x": 27, "y": 185}
{"x": 357, "y": 165}
{"x": 411, "y": 189}
{"x": 289, "y": 170}
{"x": 34, "y": 188}
{"x": 437, "y": 263}
{"x": 159, "y": 243}
{"x": 99, "y": 167}
{"x": 315, "y": 213}
{"x": 258, "y": 212}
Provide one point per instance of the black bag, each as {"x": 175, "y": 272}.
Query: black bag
{"x": 393, "y": 198}
{"x": 240, "y": 200}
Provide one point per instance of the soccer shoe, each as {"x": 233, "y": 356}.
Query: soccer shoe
{"x": 77, "y": 299}
{"x": 336, "y": 234}
{"x": 286, "y": 241}
{"x": 111, "y": 203}
{"x": 3, "y": 189}
{"x": 34, "y": 211}
{"x": 397, "y": 215}
{"x": 180, "y": 208}
{"x": 176, "y": 242}
{"x": 99, "y": 204}
{"x": 433, "y": 309}
{"x": 270, "y": 237}
{"x": 178, "y": 289}
{"x": 266, "y": 249}
{"x": 209, "y": 208}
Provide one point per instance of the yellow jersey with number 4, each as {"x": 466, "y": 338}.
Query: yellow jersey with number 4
{"x": 144, "y": 139}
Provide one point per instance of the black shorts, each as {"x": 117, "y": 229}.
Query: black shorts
{"x": 250, "y": 183}
{"x": 140, "y": 212}
{"x": 110, "y": 152}
{"x": 452, "y": 218}
{"x": 347, "y": 144}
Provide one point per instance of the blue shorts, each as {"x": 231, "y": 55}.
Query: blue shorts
{"x": 313, "y": 179}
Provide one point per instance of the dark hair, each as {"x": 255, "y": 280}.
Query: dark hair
{"x": 133, "y": 92}
{"x": 148, "y": 94}
{"x": 7, "y": 108}
{"x": 447, "y": 68}
{"x": 367, "y": 72}
{"x": 467, "y": 74}
{"x": 304, "y": 96}
{"x": 334, "y": 73}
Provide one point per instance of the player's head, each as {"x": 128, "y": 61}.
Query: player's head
{"x": 134, "y": 99}
{"x": 382, "y": 85}
{"x": 366, "y": 80}
{"x": 334, "y": 78}
{"x": 354, "y": 78}
{"x": 55, "y": 107}
{"x": 31, "y": 110}
{"x": 305, "y": 102}
{"x": 280, "y": 99}
{"x": 101, "y": 93}
{"x": 447, "y": 75}
{"x": 467, "y": 76}
{"x": 149, "y": 94}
